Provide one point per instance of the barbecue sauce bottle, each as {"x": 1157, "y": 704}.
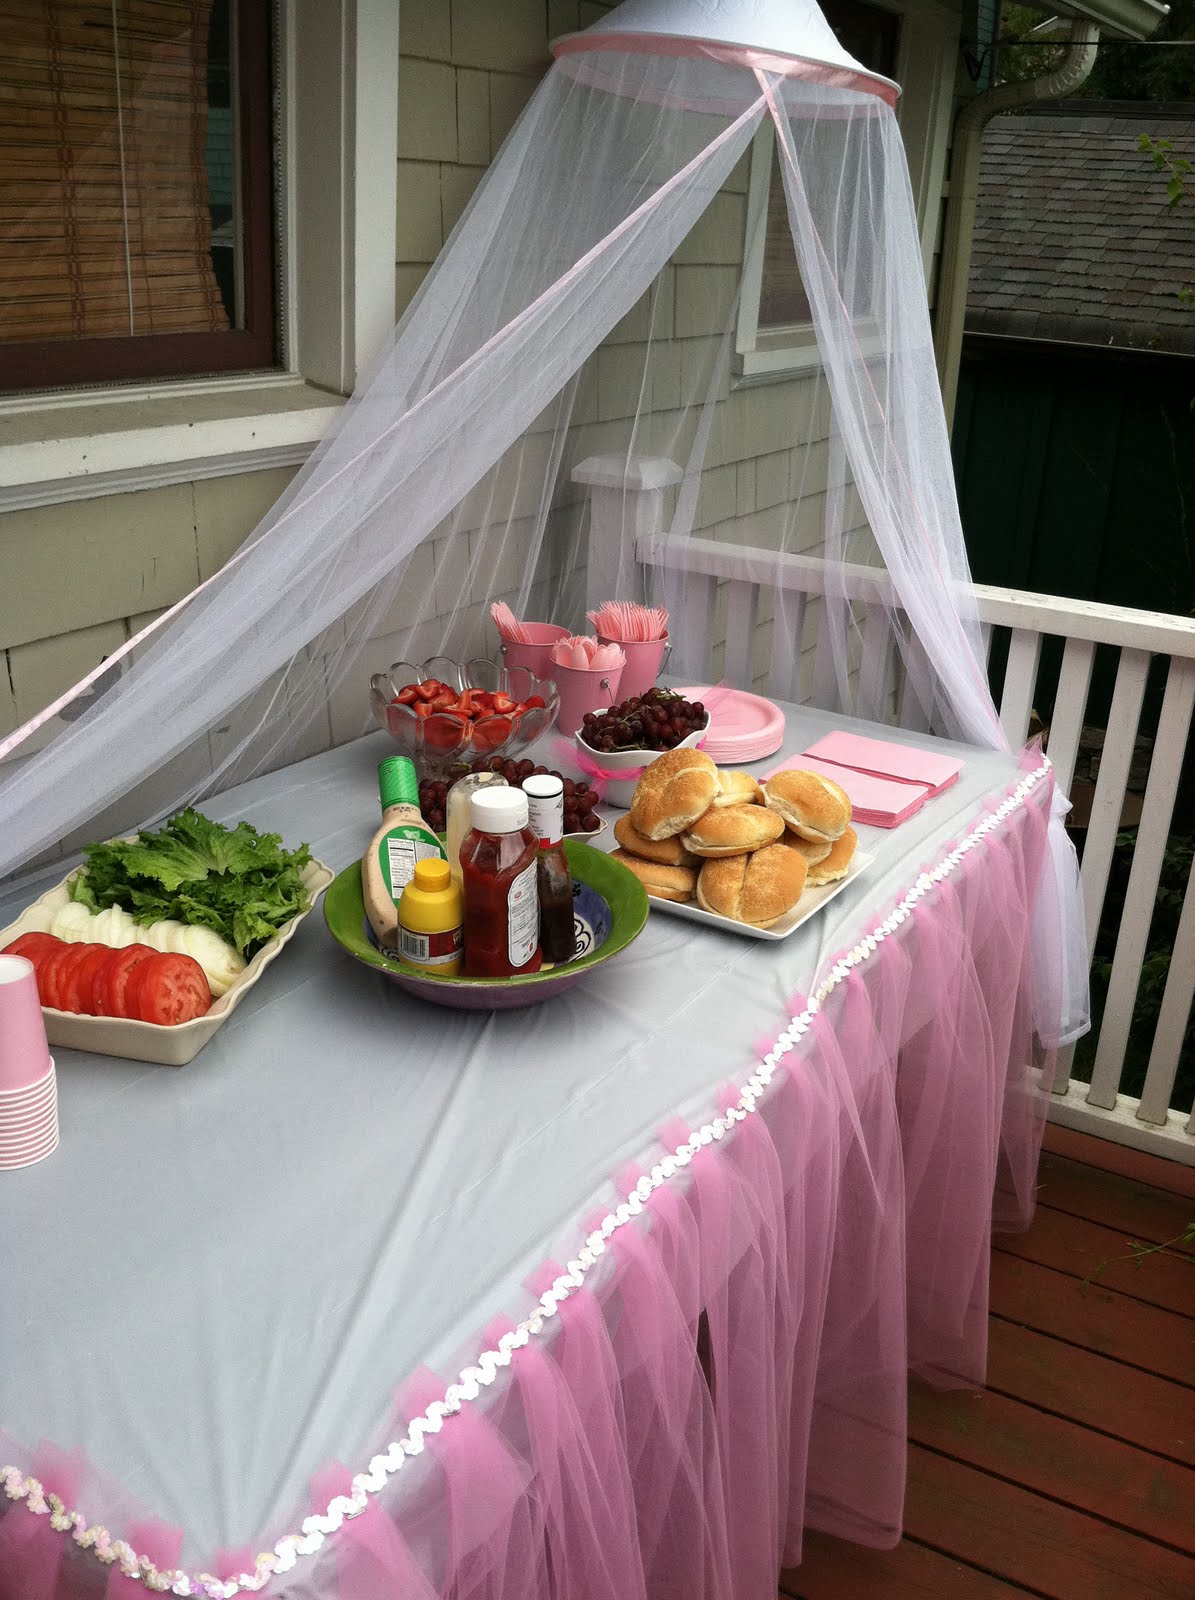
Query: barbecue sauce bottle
{"x": 557, "y": 930}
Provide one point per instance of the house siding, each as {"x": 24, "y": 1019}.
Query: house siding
{"x": 467, "y": 68}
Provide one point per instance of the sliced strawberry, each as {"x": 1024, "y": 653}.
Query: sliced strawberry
{"x": 423, "y": 709}
{"x": 443, "y": 733}
{"x": 491, "y": 732}
{"x": 445, "y": 701}
{"x": 406, "y": 696}
{"x": 534, "y": 702}
{"x": 429, "y": 688}
{"x": 503, "y": 704}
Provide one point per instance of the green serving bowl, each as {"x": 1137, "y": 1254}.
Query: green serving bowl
{"x": 609, "y": 911}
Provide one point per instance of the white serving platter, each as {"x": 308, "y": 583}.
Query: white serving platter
{"x": 810, "y": 903}
{"x": 150, "y": 1041}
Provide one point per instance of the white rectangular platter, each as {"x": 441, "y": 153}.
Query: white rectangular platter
{"x": 810, "y": 903}
{"x": 148, "y": 1041}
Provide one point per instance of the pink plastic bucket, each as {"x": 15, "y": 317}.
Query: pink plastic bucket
{"x": 583, "y": 689}
{"x": 645, "y": 660}
{"x": 24, "y": 1053}
{"x": 537, "y": 656}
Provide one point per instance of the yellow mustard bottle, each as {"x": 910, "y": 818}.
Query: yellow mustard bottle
{"x": 431, "y": 917}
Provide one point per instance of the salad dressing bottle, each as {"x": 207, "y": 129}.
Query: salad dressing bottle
{"x": 404, "y": 838}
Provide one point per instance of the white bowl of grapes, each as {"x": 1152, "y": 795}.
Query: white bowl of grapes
{"x": 631, "y": 735}
{"x": 581, "y": 820}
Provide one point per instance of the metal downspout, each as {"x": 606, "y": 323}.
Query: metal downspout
{"x": 955, "y": 268}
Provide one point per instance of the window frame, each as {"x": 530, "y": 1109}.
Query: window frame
{"x": 32, "y": 364}
{"x": 928, "y": 32}
{"x": 337, "y": 88}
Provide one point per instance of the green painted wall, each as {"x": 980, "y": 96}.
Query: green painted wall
{"x": 1076, "y": 476}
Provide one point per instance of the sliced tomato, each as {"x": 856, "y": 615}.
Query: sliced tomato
{"x": 429, "y": 688}
{"x": 503, "y": 704}
{"x": 169, "y": 989}
{"x": 51, "y": 972}
{"x": 406, "y": 696}
{"x": 33, "y": 946}
{"x": 110, "y": 983}
{"x": 491, "y": 732}
{"x": 75, "y": 979}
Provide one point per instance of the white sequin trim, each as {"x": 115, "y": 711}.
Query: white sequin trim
{"x": 315, "y": 1529}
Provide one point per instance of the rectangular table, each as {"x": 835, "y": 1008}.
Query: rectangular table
{"x": 214, "y": 1287}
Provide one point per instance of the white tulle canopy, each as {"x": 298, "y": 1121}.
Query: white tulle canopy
{"x": 590, "y": 307}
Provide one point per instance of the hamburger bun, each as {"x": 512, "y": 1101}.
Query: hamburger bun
{"x": 836, "y": 863}
{"x": 757, "y": 889}
{"x": 669, "y": 852}
{"x": 661, "y": 882}
{"x": 733, "y": 830}
{"x": 814, "y": 807}
{"x": 676, "y": 789}
{"x": 813, "y": 852}
{"x": 737, "y": 789}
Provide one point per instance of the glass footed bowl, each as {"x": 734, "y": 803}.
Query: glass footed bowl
{"x": 438, "y": 741}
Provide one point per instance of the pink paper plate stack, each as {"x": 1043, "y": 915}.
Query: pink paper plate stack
{"x": 28, "y": 1087}
{"x": 743, "y": 727}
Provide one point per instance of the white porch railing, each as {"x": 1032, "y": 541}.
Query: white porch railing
{"x": 792, "y": 584}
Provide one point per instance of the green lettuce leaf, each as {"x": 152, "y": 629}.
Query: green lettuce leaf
{"x": 242, "y": 884}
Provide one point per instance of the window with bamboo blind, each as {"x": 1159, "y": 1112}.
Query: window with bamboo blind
{"x": 872, "y": 36}
{"x": 136, "y": 235}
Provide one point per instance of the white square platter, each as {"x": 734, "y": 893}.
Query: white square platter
{"x": 810, "y": 903}
{"x": 149, "y": 1041}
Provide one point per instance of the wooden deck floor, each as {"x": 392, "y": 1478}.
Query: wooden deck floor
{"x": 1072, "y": 1477}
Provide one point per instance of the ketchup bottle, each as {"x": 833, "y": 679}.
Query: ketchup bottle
{"x": 499, "y": 868}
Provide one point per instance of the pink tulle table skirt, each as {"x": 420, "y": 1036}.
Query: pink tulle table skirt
{"x": 724, "y": 1362}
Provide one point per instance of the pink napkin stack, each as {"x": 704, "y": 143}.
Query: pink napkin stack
{"x": 28, "y": 1087}
{"x": 887, "y": 783}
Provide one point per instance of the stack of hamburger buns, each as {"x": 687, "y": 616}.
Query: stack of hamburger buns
{"x": 695, "y": 833}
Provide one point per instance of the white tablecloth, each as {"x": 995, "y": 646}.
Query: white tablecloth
{"x": 214, "y": 1286}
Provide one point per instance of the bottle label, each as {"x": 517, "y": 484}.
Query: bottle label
{"x": 545, "y": 818}
{"x": 431, "y": 949}
{"x": 522, "y": 919}
{"x": 401, "y": 849}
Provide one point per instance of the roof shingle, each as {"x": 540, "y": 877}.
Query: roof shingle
{"x": 1073, "y": 233}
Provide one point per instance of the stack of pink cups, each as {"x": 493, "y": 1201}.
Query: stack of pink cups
{"x": 28, "y": 1088}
